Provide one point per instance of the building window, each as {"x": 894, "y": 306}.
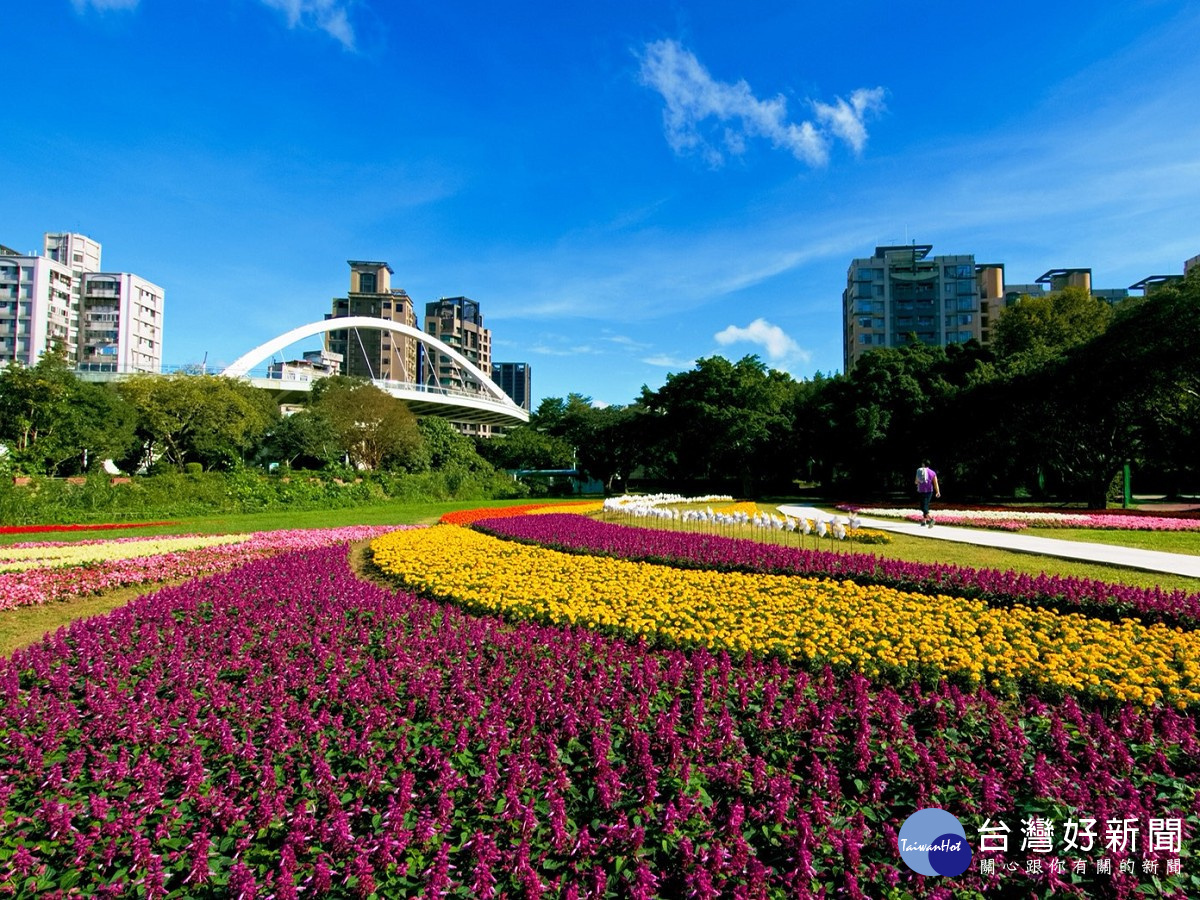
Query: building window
{"x": 366, "y": 282}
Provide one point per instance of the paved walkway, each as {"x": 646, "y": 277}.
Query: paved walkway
{"x": 1153, "y": 560}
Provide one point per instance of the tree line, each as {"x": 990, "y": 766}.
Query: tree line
{"x": 1071, "y": 390}
{"x": 53, "y": 423}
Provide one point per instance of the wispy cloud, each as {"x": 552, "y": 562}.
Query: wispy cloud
{"x": 103, "y": 5}
{"x": 624, "y": 340}
{"x": 330, "y": 16}
{"x": 782, "y": 350}
{"x": 666, "y": 361}
{"x": 693, "y": 98}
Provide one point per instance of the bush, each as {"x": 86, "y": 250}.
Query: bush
{"x": 177, "y": 495}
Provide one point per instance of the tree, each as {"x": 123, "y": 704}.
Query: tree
{"x": 302, "y": 440}
{"x": 721, "y": 420}
{"x": 444, "y": 447}
{"x": 524, "y": 447}
{"x": 1122, "y": 395}
{"x": 1039, "y": 329}
{"x": 52, "y": 421}
{"x": 208, "y": 419}
{"x": 371, "y": 426}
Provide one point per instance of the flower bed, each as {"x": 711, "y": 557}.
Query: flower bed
{"x": 1069, "y": 594}
{"x": 43, "y": 585}
{"x": 17, "y": 557}
{"x": 1014, "y": 520}
{"x": 285, "y": 730}
{"x": 467, "y": 516}
{"x": 36, "y": 529}
{"x": 877, "y": 630}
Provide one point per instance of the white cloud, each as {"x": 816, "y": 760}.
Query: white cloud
{"x": 665, "y": 361}
{"x": 781, "y": 349}
{"x": 846, "y": 119}
{"x": 102, "y": 5}
{"x": 330, "y": 16}
{"x": 693, "y": 96}
{"x": 623, "y": 340}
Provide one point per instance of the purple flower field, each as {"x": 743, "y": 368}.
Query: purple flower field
{"x": 287, "y": 730}
{"x": 1096, "y": 598}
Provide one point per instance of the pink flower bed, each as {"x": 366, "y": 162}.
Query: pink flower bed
{"x": 1017, "y": 519}
{"x": 36, "y": 586}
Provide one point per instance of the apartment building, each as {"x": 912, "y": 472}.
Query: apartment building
{"x": 458, "y": 322}
{"x": 120, "y": 323}
{"x": 106, "y": 321}
{"x": 371, "y": 353}
{"x": 901, "y": 291}
{"x": 38, "y": 307}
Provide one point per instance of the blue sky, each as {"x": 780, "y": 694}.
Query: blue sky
{"x": 624, "y": 187}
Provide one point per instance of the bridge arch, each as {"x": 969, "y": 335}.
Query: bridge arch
{"x": 240, "y": 367}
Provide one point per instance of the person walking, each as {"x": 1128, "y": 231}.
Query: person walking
{"x": 927, "y": 488}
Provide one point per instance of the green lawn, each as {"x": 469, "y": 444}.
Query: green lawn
{"x": 389, "y": 514}
{"x": 1168, "y": 541}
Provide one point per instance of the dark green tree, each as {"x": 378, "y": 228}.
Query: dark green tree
{"x": 525, "y": 447}
{"x": 304, "y": 439}
{"x": 1037, "y": 330}
{"x": 444, "y": 447}
{"x": 52, "y": 422}
{"x": 721, "y": 422}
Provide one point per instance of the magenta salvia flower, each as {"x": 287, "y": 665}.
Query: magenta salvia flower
{"x": 47, "y": 584}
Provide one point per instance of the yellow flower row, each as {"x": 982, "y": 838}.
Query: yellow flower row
{"x": 877, "y": 630}
{"x": 17, "y": 559}
{"x": 749, "y": 507}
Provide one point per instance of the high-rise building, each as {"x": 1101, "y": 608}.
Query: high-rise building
{"x": 120, "y": 323}
{"x": 515, "y": 379}
{"x": 901, "y": 291}
{"x": 107, "y": 322}
{"x": 370, "y": 353}
{"x": 75, "y": 251}
{"x": 38, "y": 307}
{"x": 458, "y": 322}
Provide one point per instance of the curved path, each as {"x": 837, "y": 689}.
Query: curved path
{"x": 1152, "y": 560}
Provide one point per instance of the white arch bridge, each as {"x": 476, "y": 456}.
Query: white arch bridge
{"x": 480, "y": 402}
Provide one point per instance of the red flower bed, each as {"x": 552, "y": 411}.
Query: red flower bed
{"x": 37, "y": 529}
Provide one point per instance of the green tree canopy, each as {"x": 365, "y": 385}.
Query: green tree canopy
{"x": 444, "y": 447}
{"x": 1038, "y": 329}
{"x": 51, "y": 421}
{"x": 525, "y": 447}
{"x": 721, "y": 420}
{"x": 208, "y": 419}
{"x": 372, "y": 428}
